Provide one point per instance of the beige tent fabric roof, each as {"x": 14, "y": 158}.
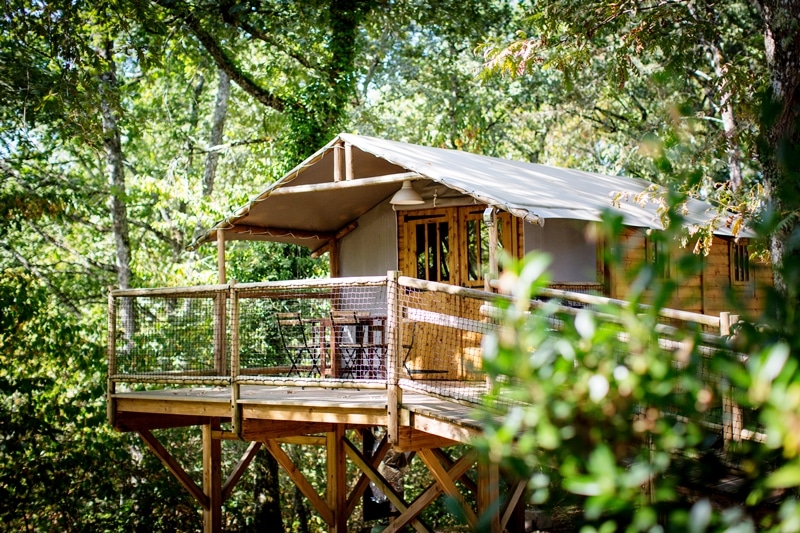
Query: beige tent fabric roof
{"x": 307, "y": 207}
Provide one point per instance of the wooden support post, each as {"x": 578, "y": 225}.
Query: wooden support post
{"x": 212, "y": 478}
{"x": 494, "y": 269}
{"x": 111, "y": 411}
{"x": 337, "y": 162}
{"x": 394, "y": 332}
{"x": 220, "y": 316}
{"x": 348, "y": 161}
{"x": 236, "y": 411}
{"x": 219, "y": 309}
{"x": 489, "y": 496}
{"x": 337, "y": 480}
{"x": 333, "y": 258}
{"x": 221, "y": 275}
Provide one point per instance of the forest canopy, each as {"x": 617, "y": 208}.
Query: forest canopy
{"x": 129, "y": 126}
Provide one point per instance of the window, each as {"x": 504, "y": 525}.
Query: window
{"x": 657, "y": 254}
{"x": 739, "y": 259}
{"x": 433, "y": 251}
{"x": 451, "y": 244}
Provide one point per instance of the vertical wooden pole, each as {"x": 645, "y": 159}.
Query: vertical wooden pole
{"x": 333, "y": 258}
{"x": 394, "y": 332}
{"x": 337, "y": 162}
{"x": 494, "y": 270}
{"x": 220, "y": 309}
{"x": 489, "y": 495}
{"x": 221, "y": 275}
{"x": 348, "y": 161}
{"x": 337, "y": 480}
{"x": 212, "y": 478}
{"x": 111, "y": 412}
{"x": 724, "y": 323}
{"x": 236, "y": 412}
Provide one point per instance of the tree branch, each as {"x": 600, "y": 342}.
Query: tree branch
{"x": 226, "y": 63}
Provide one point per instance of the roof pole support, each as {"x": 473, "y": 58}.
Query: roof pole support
{"x": 337, "y": 162}
{"x": 348, "y": 161}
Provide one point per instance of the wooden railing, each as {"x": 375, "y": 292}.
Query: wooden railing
{"x": 386, "y": 332}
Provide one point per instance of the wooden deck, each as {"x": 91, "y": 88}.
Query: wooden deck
{"x": 273, "y": 412}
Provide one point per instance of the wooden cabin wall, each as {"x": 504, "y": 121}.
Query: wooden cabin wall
{"x": 708, "y": 292}
{"x": 574, "y": 259}
{"x": 370, "y": 249}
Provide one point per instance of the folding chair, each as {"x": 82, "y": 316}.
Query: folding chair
{"x": 294, "y": 333}
{"x": 348, "y": 335}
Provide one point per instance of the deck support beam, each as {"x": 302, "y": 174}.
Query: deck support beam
{"x": 239, "y": 469}
{"x": 386, "y": 488}
{"x": 337, "y": 480}
{"x": 300, "y": 480}
{"x": 212, "y": 478}
{"x": 173, "y": 466}
{"x": 448, "y": 485}
{"x": 363, "y": 481}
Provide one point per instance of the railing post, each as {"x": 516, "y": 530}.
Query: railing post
{"x": 394, "y": 323}
{"x": 731, "y": 413}
{"x": 236, "y": 412}
{"x": 724, "y": 323}
{"x": 220, "y": 310}
{"x": 111, "y": 412}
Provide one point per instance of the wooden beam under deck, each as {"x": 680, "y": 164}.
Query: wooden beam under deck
{"x": 318, "y": 416}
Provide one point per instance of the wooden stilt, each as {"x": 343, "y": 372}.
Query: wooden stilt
{"x": 337, "y": 480}
{"x": 489, "y": 496}
{"x": 212, "y": 478}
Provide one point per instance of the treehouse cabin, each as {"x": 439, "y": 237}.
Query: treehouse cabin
{"x": 386, "y": 353}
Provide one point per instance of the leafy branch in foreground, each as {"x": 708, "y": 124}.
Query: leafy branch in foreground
{"x": 637, "y": 425}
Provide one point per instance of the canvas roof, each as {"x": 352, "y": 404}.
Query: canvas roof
{"x": 307, "y": 207}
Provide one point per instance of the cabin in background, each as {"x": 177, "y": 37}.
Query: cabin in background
{"x": 371, "y": 360}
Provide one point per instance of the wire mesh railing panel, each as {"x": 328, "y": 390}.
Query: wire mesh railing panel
{"x": 441, "y": 341}
{"x": 310, "y": 334}
{"x": 170, "y": 339}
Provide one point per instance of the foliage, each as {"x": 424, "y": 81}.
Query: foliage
{"x": 626, "y": 424}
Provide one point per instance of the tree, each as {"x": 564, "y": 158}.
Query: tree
{"x": 694, "y": 45}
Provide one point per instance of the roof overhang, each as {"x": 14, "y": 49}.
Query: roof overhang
{"x": 323, "y": 197}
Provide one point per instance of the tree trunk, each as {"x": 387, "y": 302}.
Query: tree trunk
{"x": 217, "y": 127}
{"x": 780, "y": 142}
{"x": 115, "y": 171}
{"x": 728, "y": 118}
{"x": 267, "y": 494}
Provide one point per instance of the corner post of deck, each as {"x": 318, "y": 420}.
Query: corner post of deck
{"x": 394, "y": 323}
{"x": 212, "y": 477}
{"x": 111, "y": 412}
{"x": 236, "y": 411}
